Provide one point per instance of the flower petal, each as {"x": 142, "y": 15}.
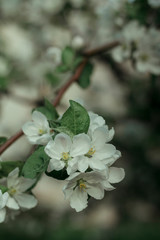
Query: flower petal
{"x": 26, "y": 200}
{"x": 55, "y": 164}
{"x": 30, "y": 129}
{"x": 111, "y": 134}
{"x": 116, "y": 174}
{"x": 78, "y": 200}
{"x": 83, "y": 164}
{"x": 81, "y": 145}
{"x": 3, "y": 199}
{"x": 12, "y": 204}
{"x": 25, "y": 183}
{"x": 107, "y": 186}
{"x": 51, "y": 150}
{"x": 99, "y": 137}
{"x": 40, "y": 119}
{"x": 107, "y": 151}
{"x": 2, "y": 215}
{"x": 12, "y": 179}
{"x": 96, "y": 164}
{"x": 95, "y": 190}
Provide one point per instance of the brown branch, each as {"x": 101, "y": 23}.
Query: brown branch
{"x": 74, "y": 78}
{"x": 100, "y": 50}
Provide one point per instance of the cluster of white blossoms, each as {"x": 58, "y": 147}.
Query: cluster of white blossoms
{"x": 144, "y": 51}
{"x": 87, "y": 158}
{"x": 16, "y": 196}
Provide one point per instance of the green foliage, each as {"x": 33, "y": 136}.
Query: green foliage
{"x": 36, "y": 164}
{"x": 53, "y": 79}
{"x": 3, "y": 188}
{"x": 8, "y": 166}
{"x": 75, "y": 119}
{"x": 84, "y": 80}
{"x": 60, "y": 175}
{"x": 2, "y": 140}
{"x": 64, "y": 130}
{"x": 3, "y": 83}
{"x": 48, "y": 110}
{"x": 68, "y": 56}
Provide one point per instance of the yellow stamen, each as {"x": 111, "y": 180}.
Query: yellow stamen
{"x": 82, "y": 186}
{"x": 12, "y": 191}
{"x": 91, "y": 152}
{"x": 41, "y": 131}
{"x": 65, "y": 156}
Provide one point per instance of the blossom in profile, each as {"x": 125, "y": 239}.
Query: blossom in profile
{"x": 37, "y": 130}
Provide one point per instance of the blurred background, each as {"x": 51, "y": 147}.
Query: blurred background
{"x": 32, "y": 35}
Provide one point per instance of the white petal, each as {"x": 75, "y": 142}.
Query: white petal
{"x": 109, "y": 161}
{"x": 25, "y": 183}
{"x": 74, "y": 176}
{"x": 26, "y": 200}
{"x": 96, "y": 164}
{"x": 30, "y": 129}
{"x": 51, "y": 150}
{"x": 81, "y": 145}
{"x": 39, "y": 118}
{"x": 111, "y": 134}
{"x": 107, "y": 186}
{"x": 107, "y": 151}
{"x": 40, "y": 140}
{"x": 99, "y": 137}
{"x": 3, "y": 199}
{"x": 78, "y": 200}
{"x": 11, "y": 203}
{"x": 94, "y": 177}
{"x": 62, "y": 143}
{"x": 68, "y": 189}
{"x": 116, "y": 174}
{"x": 83, "y": 164}
{"x": 95, "y": 190}
{"x": 12, "y": 179}
{"x": 2, "y": 215}
{"x": 55, "y": 164}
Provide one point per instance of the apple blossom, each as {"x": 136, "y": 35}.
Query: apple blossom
{"x": 37, "y": 130}
{"x": 3, "y": 202}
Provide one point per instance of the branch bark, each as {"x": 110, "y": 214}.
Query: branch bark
{"x": 87, "y": 54}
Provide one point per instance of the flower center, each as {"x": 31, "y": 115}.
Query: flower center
{"x": 81, "y": 184}
{"x": 65, "y": 156}
{"x": 12, "y": 191}
{"x": 41, "y": 131}
{"x": 91, "y": 152}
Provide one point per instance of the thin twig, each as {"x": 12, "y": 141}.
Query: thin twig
{"x": 74, "y": 78}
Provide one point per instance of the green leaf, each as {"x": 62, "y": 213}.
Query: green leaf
{"x": 65, "y": 130}
{"x": 77, "y": 61}
{"x": 60, "y": 175}
{"x": 68, "y": 55}
{"x": 36, "y": 164}
{"x": 3, "y": 83}
{"x": 76, "y": 118}
{"x": 7, "y": 166}
{"x": 3, "y": 188}
{"x": 53, "y": 79}
{"x": 48, "y": 110}
{"x": 84, "y": 79}
{"x": 62, "y": 69}
{"x": 2, "y": 140}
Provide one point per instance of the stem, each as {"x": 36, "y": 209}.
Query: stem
{"x": 74, "y": 78}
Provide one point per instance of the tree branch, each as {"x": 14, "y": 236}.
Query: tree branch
{"x": 87, "y": 54}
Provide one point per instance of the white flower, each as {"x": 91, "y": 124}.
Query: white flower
{"x": 38, "y": 130}
{"x": 154, "y": 3}
{"x": 99, "y": 151}
{"x": 54, "y": 54}
{"x": 77, "y": 42}
{"x": 98, "y": 121}
{"x": 3, "y": 201}
{"x": 17, "y": 186}
{"x": 64, "y": 151}
{"x": 113, "y": 175}
{"x": 80, "y": 185}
